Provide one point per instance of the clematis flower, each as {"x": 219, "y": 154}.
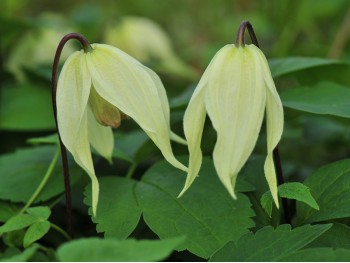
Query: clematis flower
{"x": 234, "y": 90}
{"x": 95, "y": 91}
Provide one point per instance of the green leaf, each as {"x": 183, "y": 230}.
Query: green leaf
{"x": 284, "y": 66}
{"x": 336, "y": 237}
{"x": 319, "y": 255}
{"x": 323, "y": 98}
{"x": 117, "y": 212}
{"x": 296, "y": 191}
{"x": 50, "y": 139}
{"x": 26, "y": 107}
{"x": 128, "y": 145}
{"x": 8, "y": 210}
{"x": 40, "y": 212}
{"x": 269, "y": 244}
{"x": 95, "y": 249}
{"x": 21, "y": 173}
{"x": 35, "y": 232}
{"x": 206, "y": 213}
{"x": 24, "y": 256}
{"x": 18, "y": 222}
{"x": 330, "y": 186}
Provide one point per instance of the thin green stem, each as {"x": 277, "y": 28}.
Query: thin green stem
{"x": 42, "y": 183}
{"x": 60, "y": 230}
{"x": 131, "y": 170}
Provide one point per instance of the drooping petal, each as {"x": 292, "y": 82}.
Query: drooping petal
{"x": 100, "y": 137}
{"x": 72, "y": 95}
{"x": 194, "y": 120}
{"x": 124, "y": 83}
{"x": 82, "y": 155}
{"x": 274, "y": 124}
{"x": 235, "y": 101}
{"x": 165, "y": 104}
{"x": 73, "y": 90}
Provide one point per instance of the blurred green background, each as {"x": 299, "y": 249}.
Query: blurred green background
{"x": 177, "y": 39}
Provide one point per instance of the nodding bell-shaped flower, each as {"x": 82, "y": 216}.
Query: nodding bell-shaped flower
{"x": 234, "y": 90}
{"x": 95, "y": 91}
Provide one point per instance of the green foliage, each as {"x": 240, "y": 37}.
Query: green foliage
{"x": 306, "y": 46}
{"x": 323, "y": 98}
{"x": 95, "y": 249}
{"x": 330, "y": 190}
{"x": 34, "y": 161}
{"x": 118, "y": 212}
{"x": 206, "y": 214}
{"x": 296, "y": 191}
{"x": 26, "y": 107}
{"x": 270, "y": 244}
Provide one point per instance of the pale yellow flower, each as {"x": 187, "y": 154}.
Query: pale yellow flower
{"x": 95, "y": 90}
{"x": 235, "y": 90}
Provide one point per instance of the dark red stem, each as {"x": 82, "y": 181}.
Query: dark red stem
{"x": 87, "y": 48}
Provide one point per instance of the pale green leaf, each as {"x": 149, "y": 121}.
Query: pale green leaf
{"x": 35, "y": 232}
{"x": 18, "y": 222}
{"x": 40, "y": 212}
{"x": 296, "y": 191}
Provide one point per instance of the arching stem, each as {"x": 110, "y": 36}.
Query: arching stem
{"x": 87, "y": 48}
{"x": 276, "y": 156}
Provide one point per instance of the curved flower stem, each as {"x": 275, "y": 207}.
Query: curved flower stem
{"x": 42, "y": 183}
{"x": 87, "y": 48}
{"x": 276, "y": 156}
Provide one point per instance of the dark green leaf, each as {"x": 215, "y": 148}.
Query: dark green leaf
{"x": 128, "y": 145}
{"x": 206, "y": 213}
{"x": 21, "y": 173}
{"x": 8, "y": 210}
{"x": 284, "y": 66}
{"x": 18, "y": 222}
{"x": 117, "y": 212}
{"x": 269, "y": 244}
{"x": 324, "y": 98}
{"x": 35, "y": 232}
{"x": 296, "y": 191}
{"x": 319, "y": 255}
{"x": 336, "y": 237}
{"x": 95, "y": 249}
{"x": 330, "y": 189}
{"x": 26, "y": 108}
{"x": 24, "y": 256}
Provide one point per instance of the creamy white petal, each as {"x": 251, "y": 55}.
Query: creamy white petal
{"x": 72, "y": 95}
{"x": 235, "y": 101}
{"x": 165, "y": 104}
{"x": 82, "y": 155}
{"x": 100, "y": 137}
{"x": 274, "y": 125}
{"x": 73, "y": 90}
{"x": 124, "y": 83}
{"x": 194, "y": 120}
